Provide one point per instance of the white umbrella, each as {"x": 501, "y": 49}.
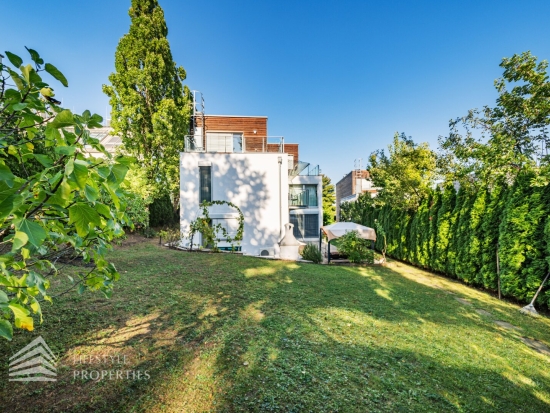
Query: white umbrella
{"x": 339, "y": 229}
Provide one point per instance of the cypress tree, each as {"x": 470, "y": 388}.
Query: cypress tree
{"x": 462, "y": 236}
{"x": 432, "y": 243}
{"x": 406, "y": 235}
{"x": 524, "y": 263}
{"x": 545, "y": 297}
{"x": 515, "y": 239}
{"x": 444, "y": 214}
{"x": 452, "y": 249}
{"x": 414, "y": 235}
{"x": 496, "y": 200}
{"x": 424, "y": 232}
{"x": 475, "y": 238}
{"x": 150, "y": 108}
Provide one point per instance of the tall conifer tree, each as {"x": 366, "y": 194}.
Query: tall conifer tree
{"x": 150, "y": 108}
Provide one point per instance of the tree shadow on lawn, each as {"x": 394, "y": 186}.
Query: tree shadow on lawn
{"x": 231, "y": 333}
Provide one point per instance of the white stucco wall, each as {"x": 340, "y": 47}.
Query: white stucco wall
{"x": 250, "y": 181}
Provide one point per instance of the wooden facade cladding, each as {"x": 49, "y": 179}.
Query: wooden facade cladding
{"x": 254, "y": 142}
{"x": 347, "y": 186}
{"x": 290, "y": 148}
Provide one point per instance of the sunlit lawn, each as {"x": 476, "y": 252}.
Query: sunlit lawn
{"x": 221, "y": 332}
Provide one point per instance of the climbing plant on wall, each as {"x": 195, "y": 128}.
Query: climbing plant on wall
{"x": 203, "y": 225}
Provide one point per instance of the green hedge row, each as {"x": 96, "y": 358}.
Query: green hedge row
{"x": 458, "y": 234}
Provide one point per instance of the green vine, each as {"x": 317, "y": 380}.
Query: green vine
{"x": 203, "y": 226}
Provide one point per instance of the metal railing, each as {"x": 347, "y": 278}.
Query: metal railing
{"x": 195, "y": 143}
{"x": 311, "y": 171}
{"x": 300, "y": 199}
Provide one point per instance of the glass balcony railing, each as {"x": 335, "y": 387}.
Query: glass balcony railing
{"x": 303, "y": 198}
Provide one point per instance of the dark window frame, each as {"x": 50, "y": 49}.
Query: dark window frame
{"x": 205, "y": 184}
{"x": 305, "y": 225}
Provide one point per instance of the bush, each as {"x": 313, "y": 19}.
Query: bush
{"x": 312, "y": 253}
{"x": 161, "y": 212}
{"x": 356, "y": 249}
{"x": 138, "y": 212}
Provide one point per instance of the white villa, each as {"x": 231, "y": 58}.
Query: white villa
{"x": 232, "y": 158}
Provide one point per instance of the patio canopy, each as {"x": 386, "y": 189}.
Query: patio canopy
{"x": 340, "y": 228}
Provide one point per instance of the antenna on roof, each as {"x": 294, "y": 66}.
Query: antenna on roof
{"x": 358, "y": 166}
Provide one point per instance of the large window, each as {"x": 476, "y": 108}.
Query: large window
{"x": 303, "y": 195}
{"x": 305, "y": 225}
{"x": 224, "y": 142}
{"x": 205, "y": 175}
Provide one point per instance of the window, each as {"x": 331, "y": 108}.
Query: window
{"x": 237, "y": 142}
{"x": 205, "y": 176}
{"x": 305, "y": 225}
{"x": 303, "y": 195}
{"x": 224, "y": 142}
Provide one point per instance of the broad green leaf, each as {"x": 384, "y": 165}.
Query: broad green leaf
{"x": 80, "y": 173}
{"x": 35, "y": 56}
{"x": 103, "y": 171}
{"x": 65, "y": 150}
{"x": 19, "y": 106}
{"x": 3, "y": 297}
{"x": 63, "y": 119}
{"x": 17, "y": 79}
{"x": 6, "y": 205}
{"x": 62, "y": 195}
{"x": 6, "y": 330}
{"x": 69, "y": 167}
{"x": 52, "y": 133}
{"x": 19, "y": 240}
{"x": 91, "y": 193}
{"x": 81, "y": 215}
{"x": 103, "y": 210}
{"x": 125, "y": 160}
{"x": 46, "y": 91}
{"x": 45, "y": 160}
{"x": 118, "y": 172}
{"x": 6, "y": 175}
{"x": 52, "y": 70}
{"x": 14, "y": 59}
{"x": 35, "y": 232}
{"x": 22, "y": 319}
{"x": 26, "y": 71}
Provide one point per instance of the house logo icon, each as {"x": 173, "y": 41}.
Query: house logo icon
{"x": 35, "y": 362}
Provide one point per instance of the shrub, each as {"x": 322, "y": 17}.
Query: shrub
{"x": 138, "y": 212}
{"x": 311, "y": 252}
{"x": 357, "y": 249}
{"x": 161, "y": 212}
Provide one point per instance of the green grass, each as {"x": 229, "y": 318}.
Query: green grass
{"x": 227, "y": 333}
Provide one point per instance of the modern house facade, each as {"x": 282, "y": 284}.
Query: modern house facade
{"x": 352, "y": 185}
{"x": 232, "y": 158}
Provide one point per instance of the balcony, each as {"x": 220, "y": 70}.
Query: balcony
{"x": 302, "y": 196}
{"x": 303, "y": 169}
{"x": 233, "y": 143}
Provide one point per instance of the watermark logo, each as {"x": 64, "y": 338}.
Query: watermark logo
{"x": 35, "y": 362}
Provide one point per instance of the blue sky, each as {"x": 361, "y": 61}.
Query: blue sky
{"x": 338, "y": 77}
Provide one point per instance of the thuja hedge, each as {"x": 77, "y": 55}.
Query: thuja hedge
{"x": 459, "y": 234}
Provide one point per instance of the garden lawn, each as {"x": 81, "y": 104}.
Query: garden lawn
{"x": 227, "y": 333}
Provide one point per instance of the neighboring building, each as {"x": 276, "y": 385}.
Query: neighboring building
{"x": 106, "y": 137}
{"x": 351, "y": 186}
{"x": 232, "y": 158}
